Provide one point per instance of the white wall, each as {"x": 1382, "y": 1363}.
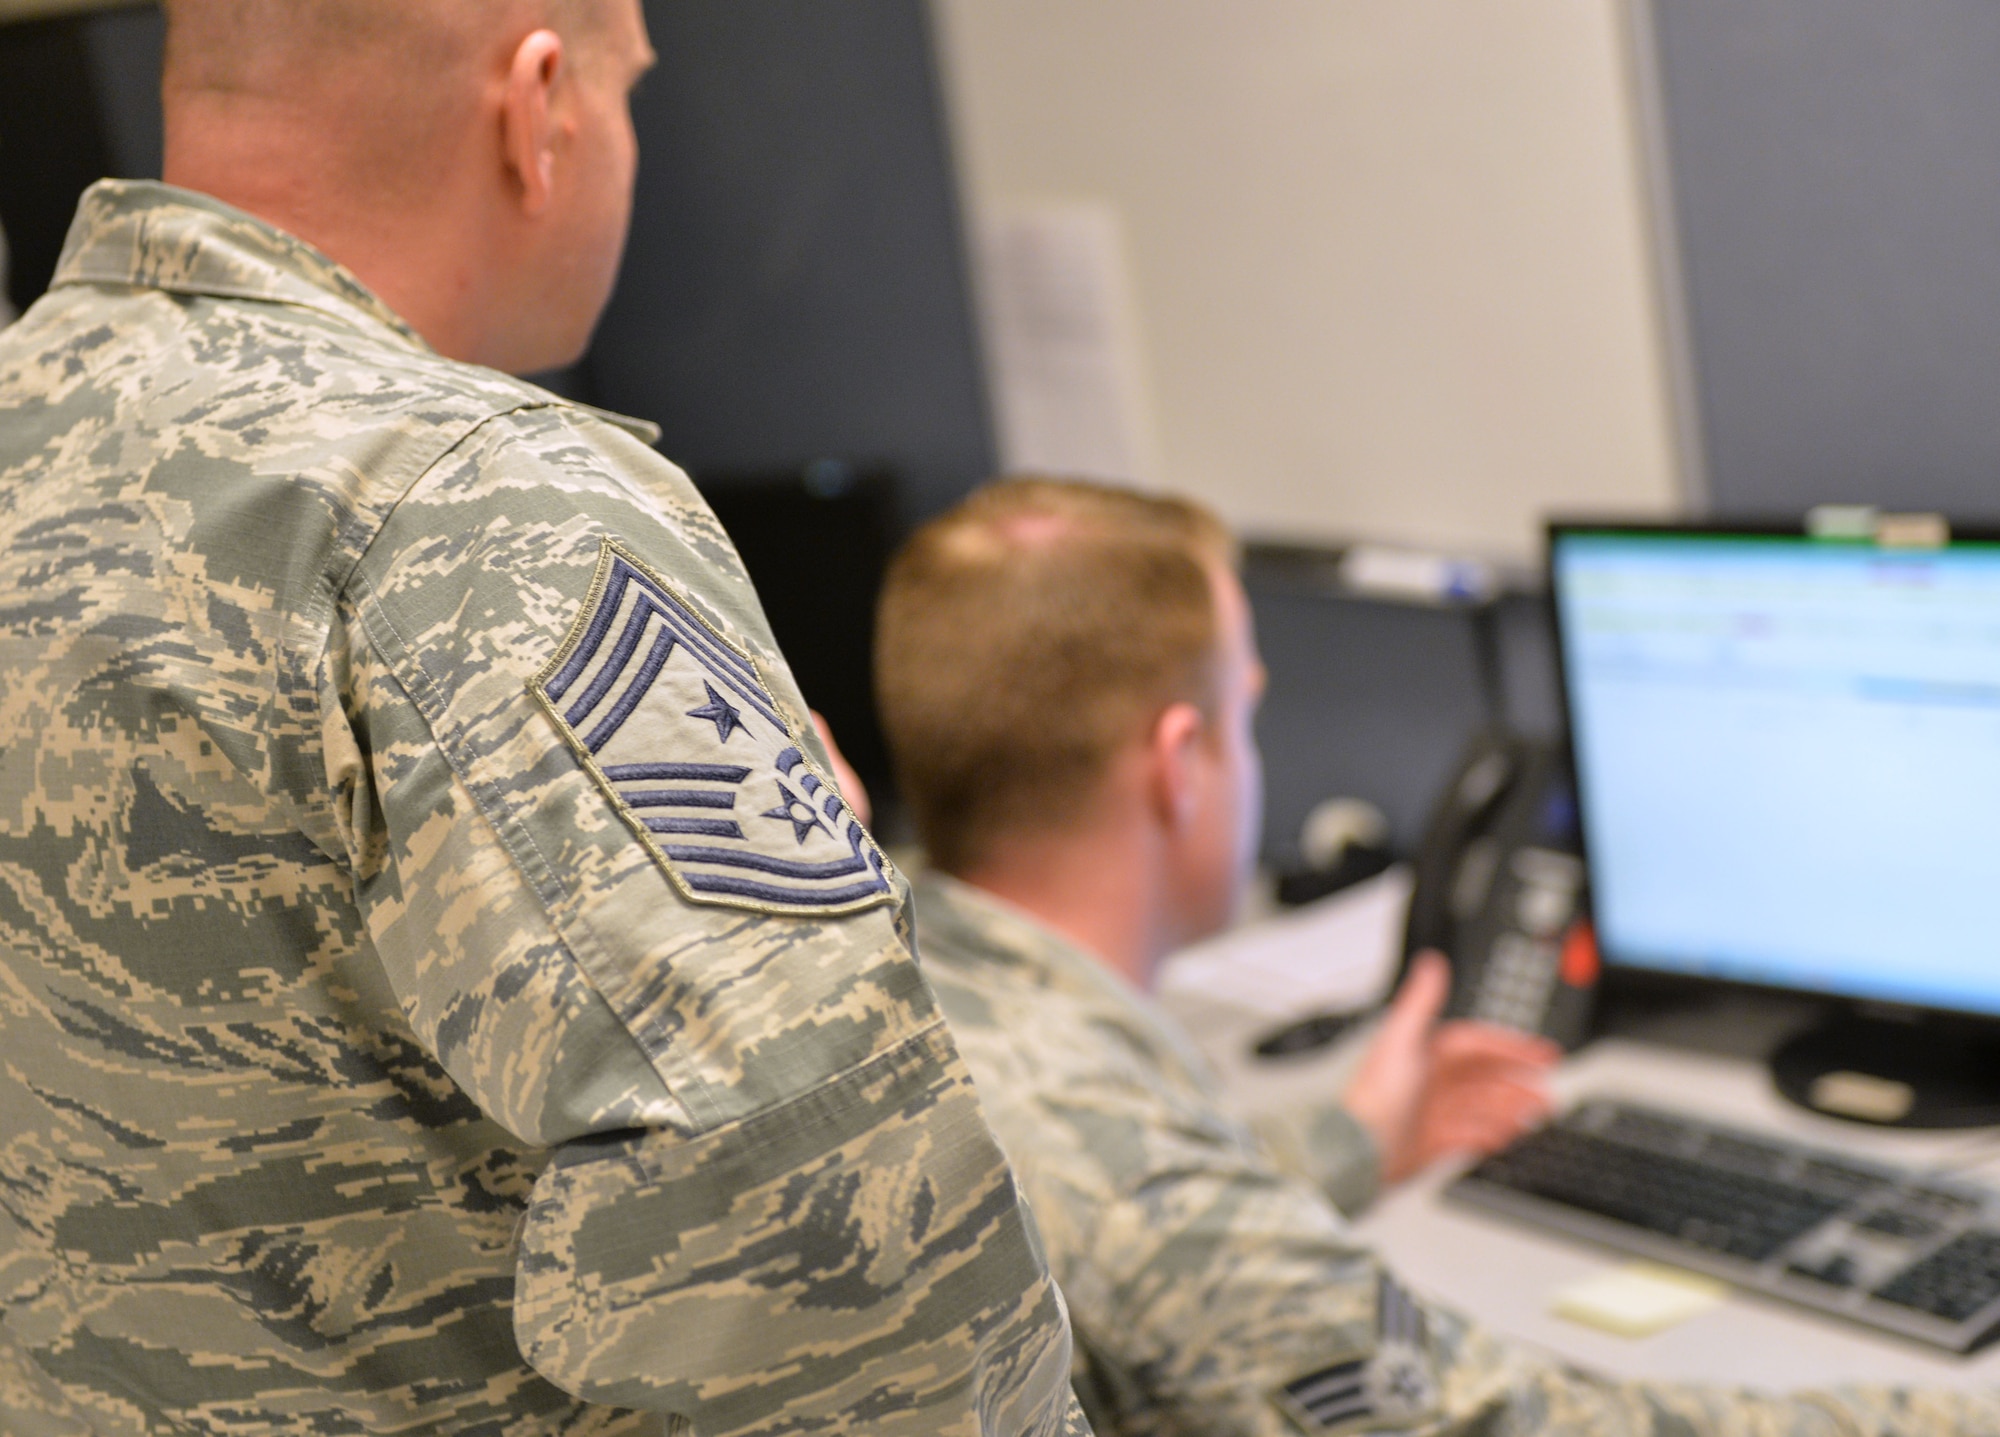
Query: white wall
{"x": 1388, "y": 258}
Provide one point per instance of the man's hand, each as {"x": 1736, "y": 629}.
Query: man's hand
{"x": 1425, "y": 1090}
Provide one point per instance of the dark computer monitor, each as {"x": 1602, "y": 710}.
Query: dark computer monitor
{"x": 1788, "y": 765}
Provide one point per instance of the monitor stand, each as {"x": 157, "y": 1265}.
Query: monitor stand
{"x": 1909, "y": 1073}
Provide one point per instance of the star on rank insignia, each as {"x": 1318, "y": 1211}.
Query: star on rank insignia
{"x": 679, "y": 728}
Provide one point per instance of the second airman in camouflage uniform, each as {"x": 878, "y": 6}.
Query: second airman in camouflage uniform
{"x": 1213, "y": 1290}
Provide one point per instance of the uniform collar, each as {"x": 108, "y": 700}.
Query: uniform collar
{"x": 990, "y": 922}
{"x": 155, "y": 236}
{"x": 975, "y": 924}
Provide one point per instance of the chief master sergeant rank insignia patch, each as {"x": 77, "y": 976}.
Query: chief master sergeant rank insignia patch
{"x": 681, "y": 731}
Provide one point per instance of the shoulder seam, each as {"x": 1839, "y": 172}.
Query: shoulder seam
{"x": 472, "y": 425}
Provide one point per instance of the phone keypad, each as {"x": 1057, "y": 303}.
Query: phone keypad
{"x": 1519, "y": 980}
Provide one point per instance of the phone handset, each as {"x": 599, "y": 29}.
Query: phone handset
{"x": 1500, "y": 891}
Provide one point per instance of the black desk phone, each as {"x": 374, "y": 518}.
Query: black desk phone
{"x": 1500, "y": 890}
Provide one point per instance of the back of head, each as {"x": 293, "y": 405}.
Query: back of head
{"x": 414, "y": 57}
{"x": 250, "y": 46}
{"x": 1027, "y": 635}
{"x": 470, "y": 160}
{"x": 247, "y": 45}
{"x": 379, "y": 82}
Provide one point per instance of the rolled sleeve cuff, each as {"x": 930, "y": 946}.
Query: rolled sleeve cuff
{"x": 1329, "y": 1147}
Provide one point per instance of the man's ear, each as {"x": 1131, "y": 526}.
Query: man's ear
{"x": 1173, "y": 752}
{"x": 527, "y": 131}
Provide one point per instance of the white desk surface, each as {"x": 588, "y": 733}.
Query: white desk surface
{"x": 1504, "y": 1274}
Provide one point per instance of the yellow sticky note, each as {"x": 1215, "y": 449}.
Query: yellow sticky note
{"x": 1638, "y": 1299}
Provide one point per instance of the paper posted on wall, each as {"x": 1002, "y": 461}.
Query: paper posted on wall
{"x": 1062, "y": 341}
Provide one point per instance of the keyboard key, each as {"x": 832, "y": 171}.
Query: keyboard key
{"x": 1714, "y": 1208}
{"x": 1954, "y": 1282}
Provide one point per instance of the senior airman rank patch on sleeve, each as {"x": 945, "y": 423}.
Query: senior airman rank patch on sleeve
{"x": 1391, "y": 1387}
{"x": 680, "y": 729}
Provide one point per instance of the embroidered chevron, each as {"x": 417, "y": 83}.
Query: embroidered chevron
{"x": 679, "y": 728}
{"x": 1391, "y": 1387}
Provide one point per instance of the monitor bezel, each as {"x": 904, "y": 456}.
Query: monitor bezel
{"x": 1667, "y": 981}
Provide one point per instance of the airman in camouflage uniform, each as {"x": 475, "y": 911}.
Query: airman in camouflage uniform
{"x": 441, "y": 990}
{"x": 1213, "y": 1290}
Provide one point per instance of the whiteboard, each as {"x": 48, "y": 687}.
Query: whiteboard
{"x": 1389, "y": 261}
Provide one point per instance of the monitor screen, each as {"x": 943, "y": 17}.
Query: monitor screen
{"x": 1788, "y": 758}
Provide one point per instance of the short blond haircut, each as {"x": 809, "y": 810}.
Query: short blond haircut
{"x": 1026, "y": 636}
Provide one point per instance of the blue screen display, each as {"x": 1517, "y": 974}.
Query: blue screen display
{"x": 1788, "y": 755}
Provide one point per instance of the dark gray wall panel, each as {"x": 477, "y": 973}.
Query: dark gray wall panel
{"x": 1368, "y": 698}
{"x": 795, "y": 285}
{"x": 79, "y": 100}
{"x": 126, "y": 47}
{"x": 1524, "y": 637}
{"x": 1836, "y": 170}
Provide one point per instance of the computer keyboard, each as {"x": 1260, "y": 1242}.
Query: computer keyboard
{"x": 1903, "y": 1251}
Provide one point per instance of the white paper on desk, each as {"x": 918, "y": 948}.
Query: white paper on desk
{"x": 1334, "y": 956}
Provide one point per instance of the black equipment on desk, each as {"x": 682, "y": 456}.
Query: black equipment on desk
{"x": 1787, "y": 756}
{"x": 1500, "y": 891}
{"x": 1906, "y": 1252}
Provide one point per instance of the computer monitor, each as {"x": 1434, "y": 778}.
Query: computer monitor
{"x": 1787, "y": 752}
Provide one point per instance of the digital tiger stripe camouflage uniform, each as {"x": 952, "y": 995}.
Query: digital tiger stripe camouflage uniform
{"x": 355, "y": 1039}
{"x": 1215, "y": 1292}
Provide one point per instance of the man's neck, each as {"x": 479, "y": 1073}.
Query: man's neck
{"x": 1097, "y": 889}
{"x": 409, "y": 255}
